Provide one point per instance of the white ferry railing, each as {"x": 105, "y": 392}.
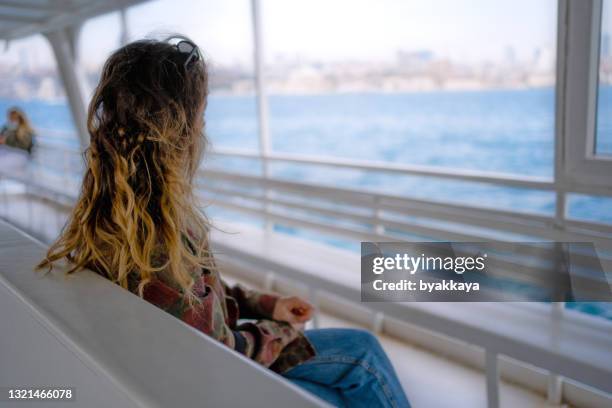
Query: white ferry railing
{"x": 385, "y": 212}
{"x": 380, "y": 215}
{"x": 546, "y": 226}
{"x": 508, "y": 180}
{"x": 492, "y": 223}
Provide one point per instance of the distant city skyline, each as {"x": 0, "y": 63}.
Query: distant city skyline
{"x": 471, "y": 31}
{"x": 409, "y": 71}
{"x": 337, "y": 46}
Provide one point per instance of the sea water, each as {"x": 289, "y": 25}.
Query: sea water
{"x": 505, "y": 131}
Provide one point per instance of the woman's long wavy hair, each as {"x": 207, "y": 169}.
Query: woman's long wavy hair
{"x": 136, "y": 218}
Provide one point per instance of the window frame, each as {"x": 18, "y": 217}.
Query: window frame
{"x": 582, "y": 167}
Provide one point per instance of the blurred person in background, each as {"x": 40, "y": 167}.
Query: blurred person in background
{"x": 17, "y": 134}
{"x": 137, "y": 223}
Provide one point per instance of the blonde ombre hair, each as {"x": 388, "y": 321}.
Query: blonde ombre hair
{"x": 136, "y": 218}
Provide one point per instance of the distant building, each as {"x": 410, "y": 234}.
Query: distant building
{"x": 543, "y": 60}
{"x": 510, "y": 56}
{"x": 414, "y": 60}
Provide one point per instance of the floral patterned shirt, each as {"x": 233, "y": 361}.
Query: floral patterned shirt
{"x": 274, "y": 344}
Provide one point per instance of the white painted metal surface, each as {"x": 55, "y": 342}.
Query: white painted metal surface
{"x": 433, "y": 219}
{"x": 582, "y": 28}
{"x": 118, "y": 350}
{"x": 23, "y": 18}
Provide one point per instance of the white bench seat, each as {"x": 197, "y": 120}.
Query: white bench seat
{"x": 116, "y": 349}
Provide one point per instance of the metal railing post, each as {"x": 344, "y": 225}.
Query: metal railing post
{"x": 270, "y": 281}
{"x": 492, "y": 377}
{"x": 378, "y": 322}
{"x": 555, "y": 382}
{"x": 379, "y": 228}
{"x": 5, "y": 202}
{"x": 313, "y": 297}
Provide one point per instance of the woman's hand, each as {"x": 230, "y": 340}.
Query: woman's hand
{"x": 292, "y": 309}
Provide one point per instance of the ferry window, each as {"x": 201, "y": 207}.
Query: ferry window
{"x": 603, "y": 145}
{"x": 91, "y": 59}
{"x": 224, "y": 32}
{"x": 438, "y": 83}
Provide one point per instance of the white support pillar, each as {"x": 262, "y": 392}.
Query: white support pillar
{"x": 124, "y": 38}
{"x": 63, "y": 43}
{"x": 262, "y": 99}
{"x": 73, "y": 32}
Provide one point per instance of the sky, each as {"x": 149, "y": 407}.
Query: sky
{"x": 325, "y": 30}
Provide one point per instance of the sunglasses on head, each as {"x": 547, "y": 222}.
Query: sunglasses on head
{"x": 188, "y": 48}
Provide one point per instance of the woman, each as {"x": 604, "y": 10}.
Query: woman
{"x": 18, "y": 135}
{"x": 17, "y": 132}
{"x": 137, "y": 223}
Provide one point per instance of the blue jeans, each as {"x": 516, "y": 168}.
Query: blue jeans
{"x": 350, "y": 369}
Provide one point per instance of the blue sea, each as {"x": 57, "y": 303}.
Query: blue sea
{"x": 510, "y": 131}
{"x": 507, "y": 131}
